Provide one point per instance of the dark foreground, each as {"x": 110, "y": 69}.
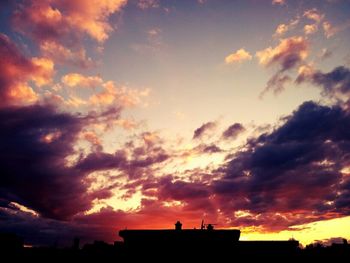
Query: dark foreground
{"x": 102, "y": 252}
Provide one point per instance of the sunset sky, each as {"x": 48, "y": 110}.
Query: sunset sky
{"x": 139, "y": 113}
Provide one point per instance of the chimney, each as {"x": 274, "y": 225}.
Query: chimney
{"x": 178, "y": 225}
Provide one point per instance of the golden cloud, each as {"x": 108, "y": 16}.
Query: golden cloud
{"x": 239, "y": 56}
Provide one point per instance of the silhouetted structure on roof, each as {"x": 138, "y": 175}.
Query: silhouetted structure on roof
{"x": 180, "y": 237}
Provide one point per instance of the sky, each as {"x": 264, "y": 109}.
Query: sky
{"x": 134, "y": 114}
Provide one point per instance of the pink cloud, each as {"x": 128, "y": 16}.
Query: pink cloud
{"x": 59, "y": 26}
{"x": 16, "y": 71}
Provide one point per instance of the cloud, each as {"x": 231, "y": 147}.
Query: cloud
{"x": 287, "y": 55}
{"x": 284, "y": 28}
{"x": 317, "y": 17}
{"x": 239, "y": 56}
{"x": 136, "y": 162}
{"x": 154, "y": 42}
{"x": 146, "y": 4}
{"x": 335, "y": 84}
{"x": 319, "y": 20}
{"x": 295, "y": 171}
{"x": 204, "y": 130}
{"x": 281, "y": 29}
{"x": 123, "y": 96}
{"x": 16, "y": 71}
{"x": 100, "y": 92}
{"x": 99, "y": 161}
{"x": 61, "y": 54}
{"x": 330, "y": 30}
{"x": 276, "y": 84}
{"x": 78, "y": 80}
{"x": 39, "y": 162}
{"x": 310, "y": 29}
{"x": 314, "y": 14}
{"x": 233, "y": 131}
{"x": 54, "y": 20}
{"x": 326, "y": 53}
{"x": 278, "y": 2}
{"x": 35, "y": 141}
{"x": 58, "y": 27}
{"x": 44, "y": 71}
{"x": 285, "y": 177}
{"x": 180, "y": 190}
{"x": 207, "y": 149}
{"x": 93, "y": 138}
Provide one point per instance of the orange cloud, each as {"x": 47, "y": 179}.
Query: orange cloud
{"x": 91, "y": 17}
{"x": 44, "y": 71}
{"x": 290, "y": 53}
{"x": 239, "y": 56}
{"x": 310, "y": 29}
{"x": 317, "y": 17}
{"x": 284, "y": 28}
{"x": 314, "y": 14}
{"x": 122, "y": 96}
{"x": 287, "y": 53}
{"x": 21, "y": 94}
{"x": 98, "y": 92}
{"x": 52, "y": 20}
{"x": 58, "y": 26}
{"x": 16, "y": 71}
{"x": 91, "y": 137}
{"x": 281, "y": 29}
{"x": 78, "y": 80}
{"x": 127, "y": 124}
{"x": 62, "y": 54}
{"x": 305, "y": 71}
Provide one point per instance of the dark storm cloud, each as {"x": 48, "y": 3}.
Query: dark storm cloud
{"x": 333, "y": 83}
{"x": 202, "y": 130}
{"x": 180, "y": 190}
{"x": 233, "y": 131}
{"x": 193, "y": 195}
{"x": 143, "y": 157}
{"x": 34, "y": 142}
{"x": 297, "y": 167}
{"x": 99, "y": 161}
